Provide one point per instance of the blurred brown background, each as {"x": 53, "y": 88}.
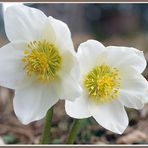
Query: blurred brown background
{"x": 112, "y": 24}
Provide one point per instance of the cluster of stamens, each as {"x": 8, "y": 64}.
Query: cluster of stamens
{"x": 102, "y": 83}
{"x": 42, "y": 59}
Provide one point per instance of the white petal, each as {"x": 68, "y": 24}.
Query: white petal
{"x": 131, "y": 99}
{"x": 90, "y": 54}
{"x": 70, "y": 66}
{"x": 123, "y": 56}
{"x": 145, "y": 97}
{"x": 132, "y": 88}
{"x": 132, "y": 81}
{"x": 111, "y": 116}
{"x": 48, "y": 32}
{"x": 78, "y": 108}
{"x": 63, "y": 35}
{"x": 11, "y": 68}
{"x": 69, "y": 61}
{"x": 23, "y": 23}
{"x": 69, "y": 76}
{"x": 69, "y": 88}
{"x": 31, "y": 103}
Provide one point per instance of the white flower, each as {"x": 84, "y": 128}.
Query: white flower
{"x": 111, "y": 79}
{"x": 39, "y": 62}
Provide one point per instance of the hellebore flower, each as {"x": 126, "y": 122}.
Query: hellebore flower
{"x": 39, "y": 62}
{"x": 111, "y": 79}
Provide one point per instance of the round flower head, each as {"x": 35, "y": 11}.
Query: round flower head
{"x": 111, "y": 79}
{"x": 39, "y": 62}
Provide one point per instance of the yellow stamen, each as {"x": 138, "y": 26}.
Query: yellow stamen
{"x": 42, "y": 59}
{"x": 102, "y": 83}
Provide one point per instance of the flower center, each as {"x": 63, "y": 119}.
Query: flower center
{"x": 42, "y": 59}
{"x": 102, "y": 83}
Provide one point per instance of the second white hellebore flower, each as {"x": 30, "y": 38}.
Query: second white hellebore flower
{"x": 111, "y": 79}
{"x": 39, "y": 62}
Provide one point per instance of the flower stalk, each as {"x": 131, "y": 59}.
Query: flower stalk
{"x": 46, "y": 137}
{"x": 74, "y": 130}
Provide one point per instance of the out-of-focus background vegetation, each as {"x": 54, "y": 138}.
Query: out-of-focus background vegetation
{"x": 112, "y": 24}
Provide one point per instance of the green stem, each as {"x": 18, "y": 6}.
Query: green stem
{"x": 47, "y": 126}
{"x": 74, "y": 130}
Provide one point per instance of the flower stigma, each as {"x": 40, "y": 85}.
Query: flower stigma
{"x": 102, "y": 83}
{"x": 42, "y": 59}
